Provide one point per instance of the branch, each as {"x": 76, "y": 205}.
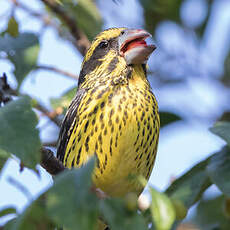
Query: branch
{"x": 50, "y": 144}
{"x": 50, "y": 163}
{"x": 56, "y": 70}
{"x": 45, "y": 18}
{"x": 5, "y": 96}
{"x": 52, "y": 115}
{"x": 81, "y": 41}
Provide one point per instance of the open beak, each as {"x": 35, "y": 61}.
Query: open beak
{"x": 133, "y": 48}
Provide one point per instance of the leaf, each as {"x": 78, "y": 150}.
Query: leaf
{"x": 22, "y": 51}
{"x": 156, "y": 11}
{"x": 222, "y": 129}
{"x": 63, "y": 101}
{"x": 219, "y": 170}
{"x": 7, "y": 211}
{"x": 201, "y": 29}
{"x": 18, "y": 134}
{"x": 189, "y": 187}
{"x": 225, "y": 116}
{"x": 3, "y": 157}
{"x": 225, "y": 78}
{"x": 33, "y": 218}
{"x": 168, "y": 117}
{"x": 209, "y": 214}
{"x": 86, "y": 15}
{"x": 70, "y": 201}
{"x": 12, "y": 27}
{"x": 89, "y": 17}
{"x": 162, "y": 210}
{"x": 10, "y": 225}
{"x": 118, "y": 217}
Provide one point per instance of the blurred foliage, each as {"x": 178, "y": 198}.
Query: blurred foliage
{"x": 211, "y": 215}
{"x": 18, "y": 133}
{"x": 167, "y": 118}
{"x": 85, "y": 14}
{"x": 219, "y": 170}
{"x": 189, "y": 187}
{"x": 226, "y": 73}
{"x": 162, "y": 210}
{"x": 12, "y": 28}
{"x": 80, "y": 205}
{"x": 63, "y": 102}
{"x": 222, "y": 129}
{"x": 70, "y": 201}
{"x": 3, "y": 157}
{"x": 156, "y": 11}
{"x": 22, "y": 51}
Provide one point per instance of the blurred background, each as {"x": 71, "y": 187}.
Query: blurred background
{"x": 189, "y": 74}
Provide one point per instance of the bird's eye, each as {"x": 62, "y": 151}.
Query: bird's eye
{"x": 103, "y": 44}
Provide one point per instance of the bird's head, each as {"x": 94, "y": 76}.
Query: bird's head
{"x": 115, "y": 49}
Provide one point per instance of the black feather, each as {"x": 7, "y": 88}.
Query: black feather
{"x": 95, "y": 59}
{"x": 68, "y": 124}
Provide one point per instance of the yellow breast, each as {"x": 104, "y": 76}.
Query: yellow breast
{"x": 119, "y": 123}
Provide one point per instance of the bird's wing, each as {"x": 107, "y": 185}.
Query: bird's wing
{"x": 68, "y": 124}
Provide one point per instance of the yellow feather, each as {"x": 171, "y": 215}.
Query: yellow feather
{"x": 118, "y": 121}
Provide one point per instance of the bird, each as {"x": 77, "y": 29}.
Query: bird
{"x": 114, "y": 114}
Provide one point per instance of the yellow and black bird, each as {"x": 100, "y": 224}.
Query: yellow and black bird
{"x": 114, "y": 114}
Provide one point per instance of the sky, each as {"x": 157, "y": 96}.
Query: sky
{"x": 181, "y": 145}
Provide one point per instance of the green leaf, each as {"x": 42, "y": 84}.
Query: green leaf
{"x": 86, "y": 15}
{"x": 219, "y": 170}
{"x": 33, "y": 218}
{"x": 7, "y": 211}
{"x": 22, "y": 51}
{"x": 63, "y": 101}
{"x": 70, "y": 201}
{"x": 162, "y": 210}
{"x": 156, "y": 11}
{"x": 189, "y": 187}
{"x": 222, "y": 129}
{"x": 118, "y": 217}
{"x": 3, "y": 157}
{"x": 225, "y": 79}
{"x": 209, "y": 215}
{"x": 202, "y": 28}
{"x": 168, "y": 117}
{"x": 10, "y": 225}
{"x": 18, "y": 134}
{"x": 12, "y": 27}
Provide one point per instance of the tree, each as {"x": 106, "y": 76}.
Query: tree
{"x": 20, "y": 113}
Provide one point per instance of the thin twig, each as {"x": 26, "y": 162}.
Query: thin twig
{"x": 45, "y": 18}
{"x": 5, "y": 95}
{"x": 81, "y": 41}
{"x": 48, "y": 160}
{"x": 56, "y": 70}
{"x": 50, "y": 163}
{"x": 52, "y": 115}
{"x": 20, "y": 187}
{"x": 50, "y": 144}
{"x": 26, "y": 8}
